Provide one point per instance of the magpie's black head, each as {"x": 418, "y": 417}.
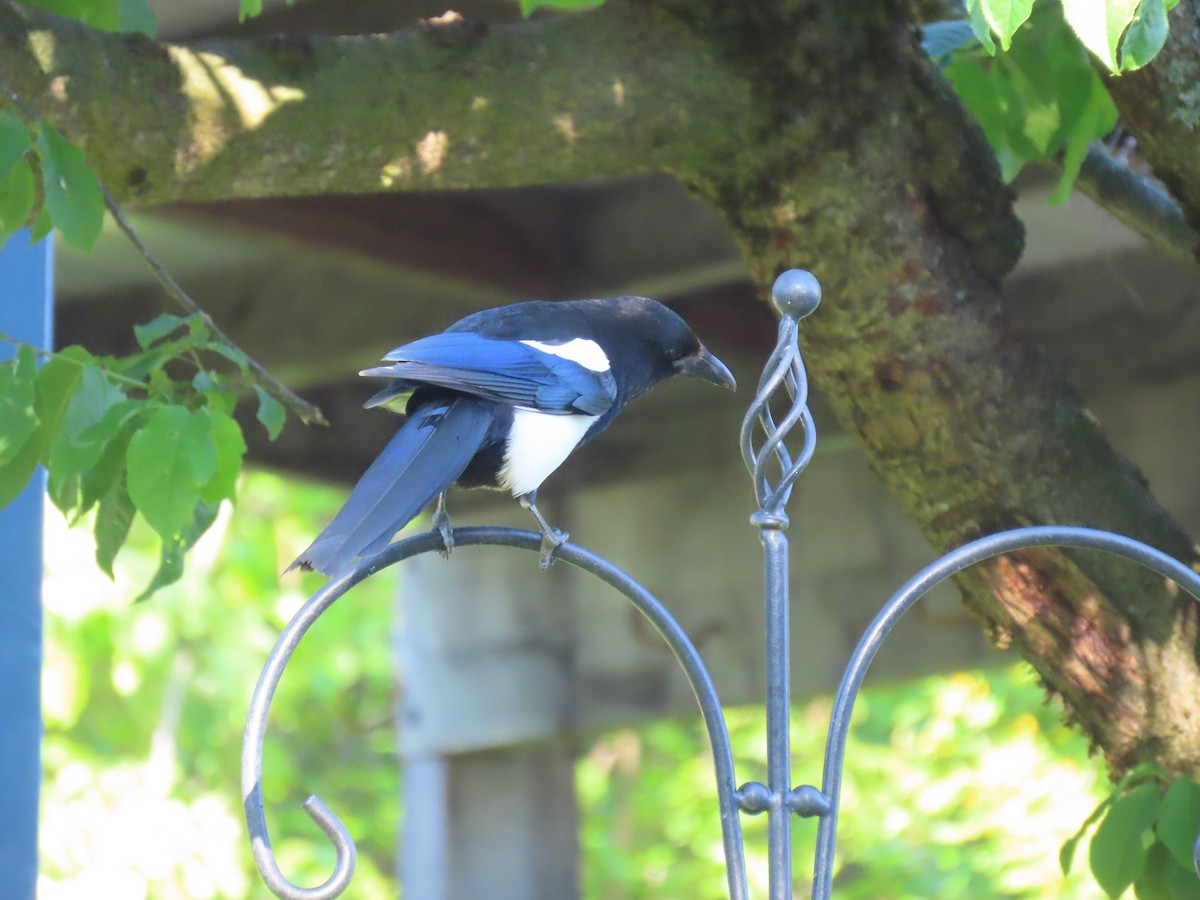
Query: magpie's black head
{"x": 651, "y": 343}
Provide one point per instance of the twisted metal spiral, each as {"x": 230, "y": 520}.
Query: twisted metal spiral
{"x": 796, "y": 294}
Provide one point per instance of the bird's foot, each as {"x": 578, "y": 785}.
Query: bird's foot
{"x": 552, "y": 538}
{"x": 441, "y": 521}
{"x": 551, "y": 541}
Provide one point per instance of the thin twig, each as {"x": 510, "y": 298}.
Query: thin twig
{"x": 307, "y": 412}
{"x": 1138, "y": 202}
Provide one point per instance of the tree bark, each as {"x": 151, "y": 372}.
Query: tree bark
{"x": 825, "y": 139}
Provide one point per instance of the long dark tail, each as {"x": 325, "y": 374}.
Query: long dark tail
{"x": 425, "y": 457}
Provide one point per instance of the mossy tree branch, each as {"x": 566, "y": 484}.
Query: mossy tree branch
{"x": 824, "y": 138}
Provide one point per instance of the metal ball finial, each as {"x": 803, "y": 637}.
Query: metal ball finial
{"x": 796, "y": 293}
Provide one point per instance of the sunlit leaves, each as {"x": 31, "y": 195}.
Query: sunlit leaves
{"x": 1024, "y": 71}
{"x": 1122, "y": 34}
{"x": 1118, "y": 850}
{"x": 1040, "y": 100}
{"x": 1002, "y": 17}
{"x": 1099, "y": 26}
{"x": 1146, "y": 35}
{"x": 1144, "y": 838}
{"x": 151, "y": 433}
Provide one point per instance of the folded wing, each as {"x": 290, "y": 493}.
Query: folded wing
{"x": 508, "y": 372}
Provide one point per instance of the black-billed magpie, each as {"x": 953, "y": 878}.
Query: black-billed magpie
{"x": 500, "y": 399}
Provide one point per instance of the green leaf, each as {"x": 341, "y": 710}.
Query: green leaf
{"x": 63, "y": 490}
{"x": 271, "y": 413}
{"x": 57, "y": 381}
{"x": 1162, "y": 877}
{"x": 229, "y": 447}
{"x": 14, "y": 141}
{"x": 42, "y": 225}
{"x": 248, "y": 9}
{"x": 81, "y": 451}
{"x": 136, "y": 16}
{"x": 18, "y": 416}
{"x": 1099, "y": 25}
{"x": 17, "y": 472}
{"x": 94, "y": 397}
{"x": 1004, "y": 17}
{"x": 1097, "y": 118}
{"x": 1146, "y": 35}
{"x": 167, "y": 462}
{"x": 17, "y": 195}
{"x": 73, "y": 196}
{"x": 157, "y": 329}
{"x": 110, "y": 467}
{"x": 980, "y": 25}
{"x": 93, "y": 417}
{"x": 1179, "y": 820}
{"x": 113, "y": 519}
{"x": 1118, "y": 850}
{"x": 170, "y": 566}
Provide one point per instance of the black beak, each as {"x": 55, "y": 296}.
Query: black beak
{"x": 705, "y": 366}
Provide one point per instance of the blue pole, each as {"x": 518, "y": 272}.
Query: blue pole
{"x": 25, "y": 314}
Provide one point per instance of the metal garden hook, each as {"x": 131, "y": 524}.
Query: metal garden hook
{"x": 904, "y": 599}
{"x": 252, "y": 753}
{"x": 646, "y": 603}
{"x": 773, "y": 469}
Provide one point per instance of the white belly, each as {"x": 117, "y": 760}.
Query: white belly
{"x": 537, "y": 445}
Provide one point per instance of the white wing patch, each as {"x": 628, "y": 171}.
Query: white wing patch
{"x": 537, "y": 445}
{"x": 587, "y": 353}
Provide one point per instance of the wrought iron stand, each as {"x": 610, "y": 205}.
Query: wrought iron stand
{"x": 796, "y": 294}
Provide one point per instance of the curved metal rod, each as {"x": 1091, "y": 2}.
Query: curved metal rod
{"x": 646, "y": 603}
{"x": 921, "y": 584}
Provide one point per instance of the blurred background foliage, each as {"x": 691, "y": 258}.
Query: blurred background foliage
{"x": 957, "y": 786}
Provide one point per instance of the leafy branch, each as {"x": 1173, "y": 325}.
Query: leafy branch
{"x": 74, "y": 200}
{"x": 1030, "y": 73}
{"x": 306, "y": 412}
{"x": 151, "y": 433}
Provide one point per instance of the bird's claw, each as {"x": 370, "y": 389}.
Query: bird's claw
{"x": 447, "y": 534}
{"x": 441, "y": 521}
{"x": 551, "y": 541}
